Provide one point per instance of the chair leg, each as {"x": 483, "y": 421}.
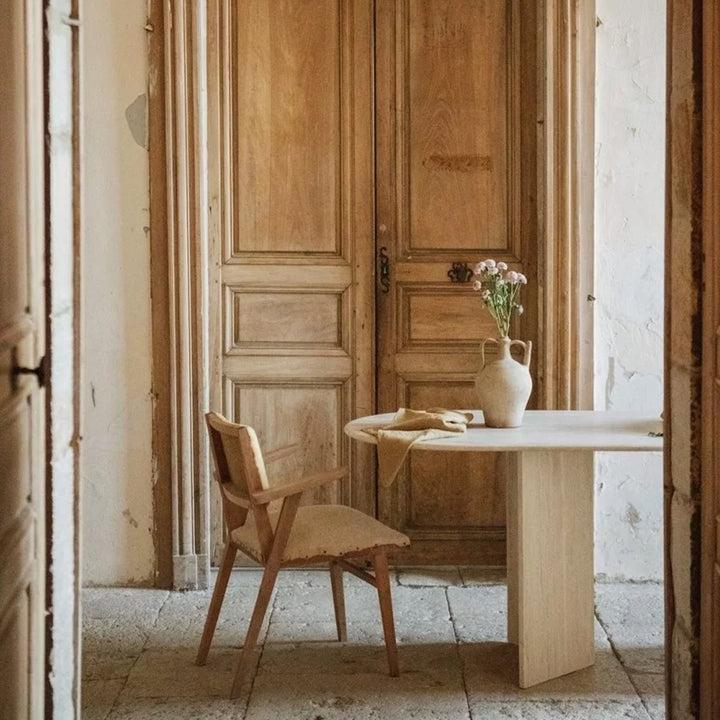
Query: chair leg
{"x": 218, "y": 595}
{"x": 338, "y": 591}
{"x": 241, "y": 683}
{"x": 382, "y": 577}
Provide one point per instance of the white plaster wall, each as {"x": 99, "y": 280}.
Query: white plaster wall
{"x": 64, "y": 658}
{"x": 117, "y": 545}
{"x": 629, "y": 240}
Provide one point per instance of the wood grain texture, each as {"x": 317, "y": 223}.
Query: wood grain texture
{"x": 382, "y": 582}
{"x": 338, "y": 593}
{"x": 443, "y": 501}
{"x": 434, "y": 315}
{"x": 710, "y": 569}
{"x": 218, "y": 595}
{"x": 312, "y": 319}
{"x": 550, "y": 584}
{"x": 14, "y": 286}
{"x": 456, "y": 102}
{"x": 440, "y": 495}
{"x": 24, "y": 625}
{"x": 309, "y": 416}
{"x": 162, "y": 440}
{"x": 565, "y": 210}
{"x": 287, "y": 130}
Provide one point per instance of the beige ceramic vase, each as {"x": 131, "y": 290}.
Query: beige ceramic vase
{"x": 503, "y": 385}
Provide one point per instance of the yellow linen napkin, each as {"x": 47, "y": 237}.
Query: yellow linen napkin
{"x": 408, "y": 427}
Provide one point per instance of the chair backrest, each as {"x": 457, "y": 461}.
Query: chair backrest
{"x": 239, "y": 465}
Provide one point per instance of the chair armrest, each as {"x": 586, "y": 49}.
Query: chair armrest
{"x": 293, "y": 488}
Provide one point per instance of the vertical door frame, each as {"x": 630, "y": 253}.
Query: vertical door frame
{"x": 185, "y": 228}
{"x": 566, "y": 167}
{"x": 685, "y": 366}
{"x": 76, "y": 13}
{"x": 179, "y": 286}
{"x": 710, "y": 490}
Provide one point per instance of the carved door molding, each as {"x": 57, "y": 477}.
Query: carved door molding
{"x": 186, "y": 234}
{"x": 567, "y": 166}
{"x": 179, "y": 219}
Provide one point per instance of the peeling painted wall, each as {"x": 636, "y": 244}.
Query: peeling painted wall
{"x": 117, "y": 543}
{"x": 629, "y": 240}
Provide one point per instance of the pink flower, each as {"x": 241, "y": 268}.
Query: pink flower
{"x": 500, "y": 292}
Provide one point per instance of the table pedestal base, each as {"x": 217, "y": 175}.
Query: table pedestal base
{"x": 550, "y": 562}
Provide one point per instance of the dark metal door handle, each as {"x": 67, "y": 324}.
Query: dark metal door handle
{"x": 384, "y": 269}
{"x": 38, "y": 371}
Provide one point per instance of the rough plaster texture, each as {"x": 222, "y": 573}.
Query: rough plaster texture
{"x": 629, "y": 239}
{"x": 454, "y": 659}
{"x": 61, "y": 562}
{"x": 117, "y": 492}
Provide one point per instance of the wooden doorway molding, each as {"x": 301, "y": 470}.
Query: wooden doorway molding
{"x": 567, "y": 165}
{"x": 187, "y": 233}
{"x": 710, "y": 458}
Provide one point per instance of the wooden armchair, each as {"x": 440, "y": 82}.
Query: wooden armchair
{"x": 294, "y": 536}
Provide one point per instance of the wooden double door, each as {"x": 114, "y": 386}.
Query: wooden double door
{"x": 362, "y": 150}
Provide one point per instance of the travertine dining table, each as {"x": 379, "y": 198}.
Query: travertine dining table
{"x": 550, "y": 575}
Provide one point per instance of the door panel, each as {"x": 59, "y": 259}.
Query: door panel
{"x": 454, "y": 99}
{"x": 297, "y": 256}
{"x": 452, "y": 144}
{"x": 22, "y": 540}
{"x": 288, "y": 139}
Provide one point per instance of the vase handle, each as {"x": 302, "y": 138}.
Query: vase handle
{"x": 482, "y": 350}
{"x": 527, "y": 348}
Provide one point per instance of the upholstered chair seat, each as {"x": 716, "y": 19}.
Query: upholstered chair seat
{"x": 322, "y": 532}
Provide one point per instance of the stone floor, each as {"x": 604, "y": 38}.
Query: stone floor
{"x": 139, "y": 646}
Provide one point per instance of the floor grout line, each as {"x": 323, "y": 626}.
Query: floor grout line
{"x": 146, "y": 634}
{"x": 461, "y": 662}
{"x": 616, "y": 653}
{"x": 269, "y": 616}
